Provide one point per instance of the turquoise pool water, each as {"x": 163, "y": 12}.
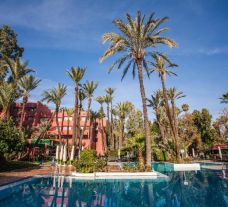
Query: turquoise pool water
{"x": 184, "y": 189}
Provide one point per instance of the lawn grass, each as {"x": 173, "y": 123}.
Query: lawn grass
{"x": 15, "y": 165}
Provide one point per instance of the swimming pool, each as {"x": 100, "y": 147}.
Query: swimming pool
{"x": 195, "y": 189}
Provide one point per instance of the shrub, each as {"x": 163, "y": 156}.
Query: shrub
{"x": 131, "y": 167}
{"x": 11, "y": 139}
{"x": 160, "y": 155}
{"x": 88, "y": 162}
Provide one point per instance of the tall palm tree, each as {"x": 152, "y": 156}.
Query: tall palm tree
{"x": 173, "y": 95}
{"x": 7, "y": 97}
{"x": 162, "y": 66}
{"x": 157, "y": 102}
{"x": 76, "y": 74}
{"x": 107, "y": 100}
{"x": 27, "y": 84}
{"x": 101, "y": 115}
{"x": 69, "y": 112}
{"x": 89, "y": 87}
{"x": 122, "y": 110}
{"x": 55, "y": 96}
{"x": 110, "y": 92}
{"x": 136, "y": 40}
{"x": 93, "y": 117}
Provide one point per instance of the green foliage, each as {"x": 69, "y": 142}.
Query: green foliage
{"x": 134, "y": 122}
{"x": 202, "y": 121}
{"x": 185, "y": 107}
{"x": 131, "y": 167}
{"x": 88, "y": 162}
{"x": 224, "y": 98}
{"x": 160, "y": 155}
{"x": 112, "y": 153}
{"x": 11, "y": 139}
{"x": 8, "y": 43}
{"x": 14, "y": 165}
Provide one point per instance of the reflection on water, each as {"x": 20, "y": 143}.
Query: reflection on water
{"x": 198, "y": 189}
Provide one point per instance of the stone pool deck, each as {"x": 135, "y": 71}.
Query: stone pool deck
{"x": 16, "y": 175}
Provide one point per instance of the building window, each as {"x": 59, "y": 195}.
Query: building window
{"x": 31, "y": 109}
{"x": 83, "y": 118}
{"x": 65, "y": 128}
{"x": 59, "y": 119}
{"x": 66, "y": 118}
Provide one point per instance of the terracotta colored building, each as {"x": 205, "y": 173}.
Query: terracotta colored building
{"x": 92, "y": 137}
{"x": 35, "y": 113}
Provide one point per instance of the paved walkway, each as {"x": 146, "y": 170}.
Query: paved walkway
{"x": 12, "y": 176}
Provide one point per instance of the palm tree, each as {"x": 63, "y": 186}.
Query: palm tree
{"x": 89, "y": 87}
{"x": 18, "y": 70}
{"x": 93, "y": 116}
{"x": 173, "y": 95}
{"x": 55, "y": 96}
{"x": 81, "y": 97}
{"x": 137, "y": 142}
{"x": 157, "y": 102}
{"x": 107, "y": 100}
{"x": 101, "y": 115}
{"x": 135, "y": 40}
{"x": 122, "y": 110}
{"x": 110, "y": 92}
{"x": 160, "y": 66}
{"x": 224, "y": 98}
{"x": 69, "y": 113}
{"x": 7, "y": 97}
{"x": 27, "y": 84}
{"x": 76, "y": 74}
{"x": 185, "y": 107}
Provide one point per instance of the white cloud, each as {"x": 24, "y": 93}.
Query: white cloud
{"x": 62, "y": 24}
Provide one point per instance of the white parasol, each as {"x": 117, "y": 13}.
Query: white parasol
{"x": 65, "y": 154}
{"x": 61, "y": 153}
{"x": 57, "y": 152}
{"x": 72, "y": 154}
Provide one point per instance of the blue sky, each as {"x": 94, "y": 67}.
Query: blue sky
{"x": 58, "y": 34}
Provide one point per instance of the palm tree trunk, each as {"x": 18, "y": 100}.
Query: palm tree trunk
{"x": 108, "y": 125}
{"x": 57, "y": 123}
{"x": 104, "y": 138}
{"x": 170, "y": 118}
{"x": 25, "y": 100}
{"x": 162, "y": 133}
{"x": 121, "y": 133}
{"x": 84, "y": 127}
{"x": 91, "y": 134}
{"x": 145, "y": 116}
{"x": 111, "y": 130}
{"x": 63, "y": 114}
{"x": 174, "y": 117}
{"x": 108, "y": 112}
{"x": 141, "y": 160}
{"x": 75, "y": 120}
{"x": 68, "y": 125}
